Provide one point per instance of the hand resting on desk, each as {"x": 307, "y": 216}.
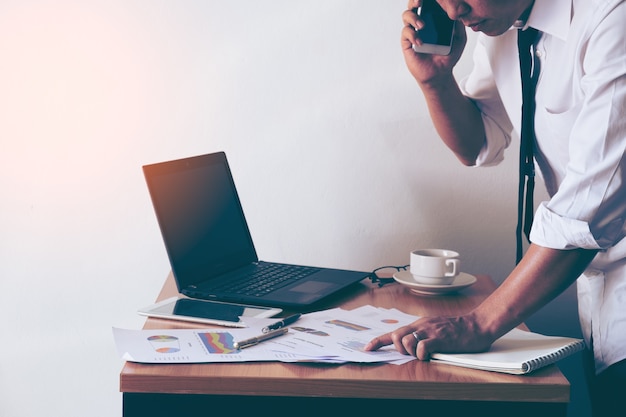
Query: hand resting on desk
{"x": 435, "y": 334}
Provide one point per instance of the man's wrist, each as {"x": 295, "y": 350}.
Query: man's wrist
{"x": 484, "y": 325}
{"x": 438, "y": 84}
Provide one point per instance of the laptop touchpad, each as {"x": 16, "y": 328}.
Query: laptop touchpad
{"x": 312, "y": 286}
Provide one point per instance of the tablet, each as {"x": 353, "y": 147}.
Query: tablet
{"x": 203, "y": 311}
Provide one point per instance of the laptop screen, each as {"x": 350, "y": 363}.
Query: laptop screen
{"x": 200, "y": 216}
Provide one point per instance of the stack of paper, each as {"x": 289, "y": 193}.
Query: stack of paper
{"x": 333, "y": 336}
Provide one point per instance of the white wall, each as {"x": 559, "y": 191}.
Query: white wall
{"x": 335, "y": 158}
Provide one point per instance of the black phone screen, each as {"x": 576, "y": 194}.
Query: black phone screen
{"x": 438, "y": 27}
{"x": 208, "y": 310}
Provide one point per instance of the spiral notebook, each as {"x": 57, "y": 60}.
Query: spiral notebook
{"x": 517, "y": 352}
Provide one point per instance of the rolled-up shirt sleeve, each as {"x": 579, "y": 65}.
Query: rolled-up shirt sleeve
{"x": 481, "y": 88}
{"x": 586, "y": 213}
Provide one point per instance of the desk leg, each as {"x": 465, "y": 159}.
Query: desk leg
{"x": 182, "y": 405}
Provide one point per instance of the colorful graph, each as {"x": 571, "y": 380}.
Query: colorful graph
{"x": 311, "y": 331}
{"x": 347, "y": 325}
{"x": 164, "y": 343}
{"x": 218, "y": 342}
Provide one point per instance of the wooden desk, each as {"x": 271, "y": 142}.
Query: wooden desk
{"x": 277, "y": 389}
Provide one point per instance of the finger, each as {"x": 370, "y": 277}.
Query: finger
{"x": 422, "y": 350}
{"x": 378, "y": 342}
{"x": 412, "y": 20}
{"x": 409, "y": 343}
{"x": 410, "y": 31}
{"x": 409, "y": 38}
{"x": 401, "y": 342}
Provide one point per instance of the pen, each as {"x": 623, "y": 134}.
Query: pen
{"x": 282, "y": 323}
{"x": 258, "y": 339}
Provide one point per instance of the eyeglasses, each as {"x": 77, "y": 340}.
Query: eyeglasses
{"x": 384, "y": 274}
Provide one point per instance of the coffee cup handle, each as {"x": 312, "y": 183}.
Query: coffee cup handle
{"x": 454, "y": 265}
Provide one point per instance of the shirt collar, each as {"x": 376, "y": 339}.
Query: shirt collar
{"x": 552, "y": 17}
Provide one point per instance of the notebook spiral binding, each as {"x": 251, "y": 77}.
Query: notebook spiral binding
{"x": 554, "y": 357}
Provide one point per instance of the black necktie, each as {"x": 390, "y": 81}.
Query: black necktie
{"x": 526, "y": 39}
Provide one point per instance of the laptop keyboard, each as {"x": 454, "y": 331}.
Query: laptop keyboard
{"x": 266, "y": 279}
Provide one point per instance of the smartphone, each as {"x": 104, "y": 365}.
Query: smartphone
{"x": 438, "y": 29}
{"x": 209, "y": 312}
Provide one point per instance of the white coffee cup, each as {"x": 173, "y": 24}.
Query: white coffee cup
{"x": 435, "y": 266}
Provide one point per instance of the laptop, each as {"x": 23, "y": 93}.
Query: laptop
{"x": 209, "y": 245}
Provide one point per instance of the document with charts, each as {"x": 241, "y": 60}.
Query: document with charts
{"x": 332, "y": 336}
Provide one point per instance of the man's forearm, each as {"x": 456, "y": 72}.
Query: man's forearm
{"x": 542, "y": 275}
{"x": 456, "y": 118}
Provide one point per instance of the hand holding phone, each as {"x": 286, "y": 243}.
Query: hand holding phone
{"x": 438, "y": 30}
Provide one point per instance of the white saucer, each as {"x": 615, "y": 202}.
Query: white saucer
{"x": 461, "y": 281}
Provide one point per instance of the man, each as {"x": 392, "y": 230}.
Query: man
{"x": 580, "y": 126}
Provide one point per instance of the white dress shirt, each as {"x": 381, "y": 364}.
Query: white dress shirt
{"x": 580, "y": 127}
